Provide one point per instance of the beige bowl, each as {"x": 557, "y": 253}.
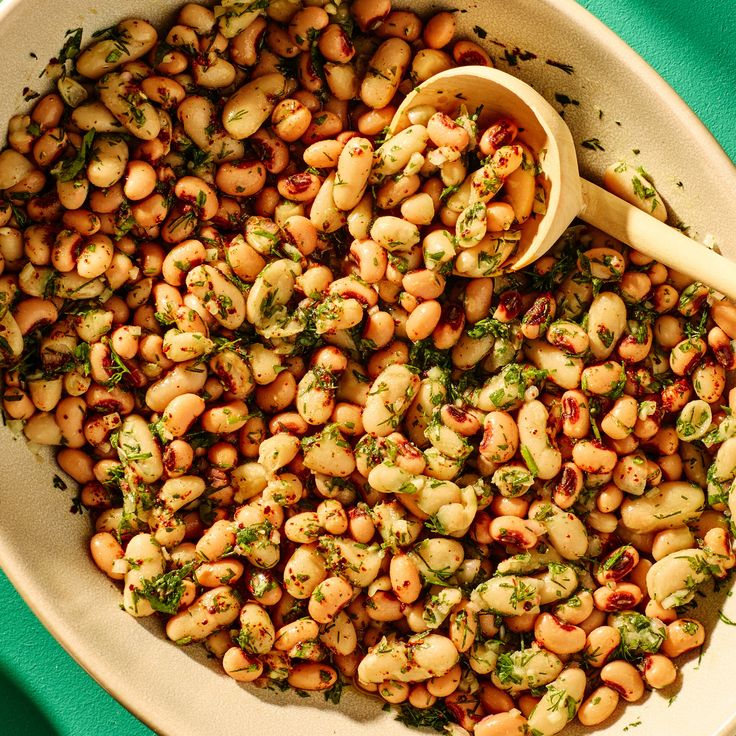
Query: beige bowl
{"x": 43, "y": 547}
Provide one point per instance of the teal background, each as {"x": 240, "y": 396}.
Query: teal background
{"x": 43, "y": 691}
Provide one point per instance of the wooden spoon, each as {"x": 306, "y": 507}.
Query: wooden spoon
{"x": 569, "y": 196}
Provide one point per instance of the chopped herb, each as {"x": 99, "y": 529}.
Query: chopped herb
{"x": 347, "y": 24}
{"x": 448, "y": 191}
{"x": 254, "y": 536}
{"x": 567, "y": 68}
{"x": 642, "y": 191}
{"x": 605, "y": 335}
{"x": 289, "y": 67}
{"x": 165, "y": 591}
{"x": 20, "y": 217}
{"x": 529, "y": 460}
{"x": 640, "y": 635}
{"x": 58, "y": 481}
{"x": 71, "y": 46}
{"x": 334, "y": 694}
{"x": 506, "y": 670}
{"x": 201, "y": 439}
{"x": 726, "y": 620}
{"x": 117, "y": 370}
{"x": 695, "y": 330}
{"x": 565, "y": 100}
{"x": 70, "y": 169}
{"x": 437, "y": 717}
{"x": 433, "y": 524}
{"x": 490, "y": 326}
{"x": 592, "y": 144}
{"x": 610, "y": 563}
{"x": 424, "y": 355}
{"x": 564, "y": 263}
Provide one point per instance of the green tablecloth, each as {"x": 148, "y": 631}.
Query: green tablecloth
{"x": 43, "y": 691}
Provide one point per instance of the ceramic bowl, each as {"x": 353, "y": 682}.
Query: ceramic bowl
{"x": 567, "y": 55}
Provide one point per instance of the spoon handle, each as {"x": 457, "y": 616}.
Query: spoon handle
{"x": 648, "y": 235}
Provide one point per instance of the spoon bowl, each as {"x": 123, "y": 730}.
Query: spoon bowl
{"x": 501, "y": 95}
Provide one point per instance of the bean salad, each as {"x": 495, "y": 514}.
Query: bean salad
{"x": 319, "y": 422}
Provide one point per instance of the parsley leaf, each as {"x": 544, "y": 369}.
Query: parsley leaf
{"x": 424, "y": 355}
{"x": 334, "y": 694}
{"x": 436, "y": 717}
{"x": 490, "y": 326}
{"x": 71, "y": 46}
{"x": 70, "y": 169}
{"x": 165, "y": 591}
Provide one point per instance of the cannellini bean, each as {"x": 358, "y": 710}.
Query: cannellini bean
{"x": 548, "y": 717}
{"x": 252, "y": 104}
{"x": 683, "y": 635}
{"x": 312, "y": 676}
{"x": 564, "y": 370}
{"x": 138, "y": 449}
{"x": 605, "y": 379}
{"x": 178, "y": 492}
{"x": 412, "y": 661}
{"x": 394, "y": 155}
{"x": 196, "y": 115}
{"x": 385, "y": 70}
{"x": 240, "y": 665}
{"x": 635, "y": 187}
{"x": 565, "y": 530}
{"x": 122, "y": 96}
{"x": 569, "y": 336}
{"x": 598, "y": 706}
{"x": 606, "y": 323}
{"x": 670, "y": 505}
{"x": 149, "y": 563}
{"x": 213, "y": 610}
{"x": 105, "y": 550}
{"x": 329, "y": 453}
{"x": 353, "y": 169}
{"x": 234, "y": 373}
{"x": 216, "y": 540}
{"x": 363, "y": 561}
{"x": 673, "y": 580}
{"x": 393, "y": 233}
{"x": 220, "y": 297}
{"x": 340, "y": 635}
{"x": 328, "y": 598}
{"x": 388, "y": 399}
{"x": 508, "y": 596}
{"x": 108, "y": 160}
{"x": 542, "y": 458}
{"x": 183, "y": 378}
{"x": 659, "y": 671}
{"x": 135, "y": 39}
{"x": 257, "y": 634}
{"x": 532, "y": 667}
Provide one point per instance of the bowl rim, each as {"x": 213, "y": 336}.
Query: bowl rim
{"x": 123, "y": 689}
